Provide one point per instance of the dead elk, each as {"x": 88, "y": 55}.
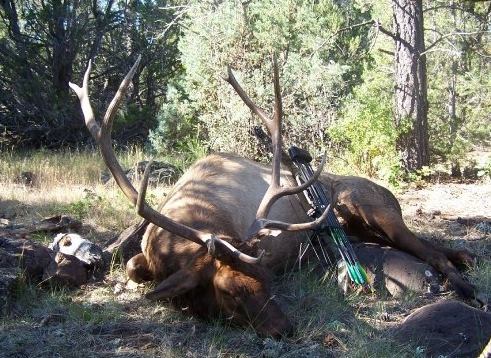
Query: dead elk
{"x": 191, "y": 248}
{"x": 220, "y": 203}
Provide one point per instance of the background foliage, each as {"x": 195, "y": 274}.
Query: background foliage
{"x": 319, "y": 65}
{"x": 458, "y": 71}
{"x": 44, "y": 45}
{"x": 336, "y": 72}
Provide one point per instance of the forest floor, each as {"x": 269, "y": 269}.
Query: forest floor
{"x": 111, "y": 318}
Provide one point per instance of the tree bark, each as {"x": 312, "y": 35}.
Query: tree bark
{"x": 11, "y": 14}
{"x": 63, "y": 51}
{"x": 411, "y": 104}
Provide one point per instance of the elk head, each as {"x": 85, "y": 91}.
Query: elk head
{"x": 226, "y": 279}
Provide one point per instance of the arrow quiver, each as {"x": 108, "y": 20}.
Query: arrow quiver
{"x": 319, "y": 201}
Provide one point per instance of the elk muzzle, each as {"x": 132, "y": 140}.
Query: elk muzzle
{"x": 245, "y": 298}
{"x": 275, "y": 324}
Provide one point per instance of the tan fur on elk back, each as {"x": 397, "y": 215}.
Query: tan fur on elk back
{"x": 224, "y": 190}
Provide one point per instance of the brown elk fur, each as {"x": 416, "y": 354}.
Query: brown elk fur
{"x": 372, "y": 213}
{"x": 220, "y": 194}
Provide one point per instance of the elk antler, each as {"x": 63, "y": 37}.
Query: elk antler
{"x": 102, "y": 136}
{"x": 275, "y": 190}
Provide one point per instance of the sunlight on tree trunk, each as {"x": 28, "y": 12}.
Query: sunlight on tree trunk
{"x": 411, "y": 105}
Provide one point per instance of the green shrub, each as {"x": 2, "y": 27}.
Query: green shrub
{"x": 365, "y": 133}
{"x": 318, "y": 65}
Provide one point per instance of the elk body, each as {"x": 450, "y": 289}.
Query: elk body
{"x": 223, "y": 191}
{"x": 371, "y": 213}
{"x": 220, "y": 194}
{"x": 198, "y": 248}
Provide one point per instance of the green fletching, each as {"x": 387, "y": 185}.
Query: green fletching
{"x": 351, "y": 273}
{"x": 363, "y": 273}
{"x": 357, "y": 274}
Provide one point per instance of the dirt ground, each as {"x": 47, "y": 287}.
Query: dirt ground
{"x": 465, "y": 200}
{"x": 458, "y": 214}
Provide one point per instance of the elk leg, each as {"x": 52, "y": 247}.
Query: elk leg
{"x": 399, "y": 236}
{"x": 137, "y": 269}
{"x": 459, "y": 257}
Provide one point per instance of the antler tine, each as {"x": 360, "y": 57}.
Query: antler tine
{"x": 102, "y": 136}
{"x": 246, "y": 99}
{"x": 275, "y": 191}
{"x": 83, "y": 96}
{"x": 105, "y": 141}
{"x": 118, "y": 97}
{"x": 271, "y": 226}
{"x": 143, "y": 189}
{"x": 276, "y": 126}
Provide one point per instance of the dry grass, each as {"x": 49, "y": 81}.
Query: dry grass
{"x": 71, "y": 167}
{"x": 68, "y": 183}
{"x": 52, "y": 169}
{"x": 109, "y": 319}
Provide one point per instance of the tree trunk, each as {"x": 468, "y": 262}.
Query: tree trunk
{"x": 452, "y": 88}
{"x": 62, "y": 63}
{"x": 411, "y": 104}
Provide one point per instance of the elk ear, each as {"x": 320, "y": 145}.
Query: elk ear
{"x": 176, "y": 284}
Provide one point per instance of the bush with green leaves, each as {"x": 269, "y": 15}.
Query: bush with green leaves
{"x": 459, "y": 82}
{"x": 451, "y": 138}
{"x": 365, "y": 134}
{"x": 319, "y": 59}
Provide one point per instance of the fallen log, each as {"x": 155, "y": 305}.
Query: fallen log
{"x": 50, "y": 224}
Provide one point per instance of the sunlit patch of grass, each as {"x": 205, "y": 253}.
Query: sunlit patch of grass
{"x": 94, "y": 314}
{"x": 68, "y": 183}
{"x": 52, "y": 168}
{"x": 42, "y": 238}
{"x": 369, "y": 343}
{"x": 36, "y": 303}
{"x": 60, "y": 168}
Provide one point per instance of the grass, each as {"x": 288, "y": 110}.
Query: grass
{"x": 110, "y": 319}
{"x": 480, "y": 275}
{"x": 78, "y": 167}
{"x": 67, "y": 182}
